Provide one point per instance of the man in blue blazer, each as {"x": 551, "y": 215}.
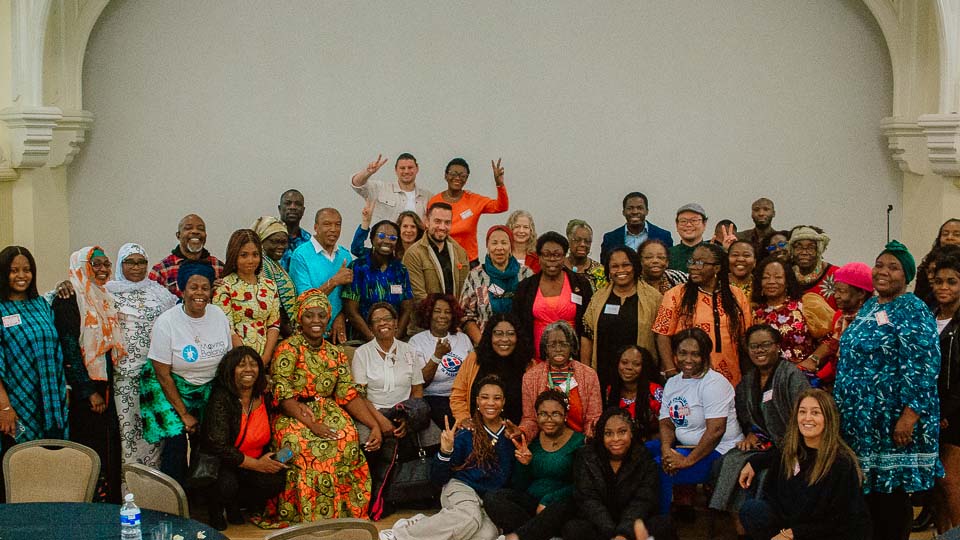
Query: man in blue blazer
{"x": 637, "y": 229}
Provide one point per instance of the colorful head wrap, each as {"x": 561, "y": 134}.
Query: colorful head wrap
{"x": 312, "y": 299}
{"x": 809, "y": 233}
{"x": 903, "y": 255}
{"x": 267, "y": 226}
{"x": 99, "y": 331}
{"x": 189, "y": 269}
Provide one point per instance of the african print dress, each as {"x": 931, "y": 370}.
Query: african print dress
{"x": 285, "y": 287}
{"x": 31, "y": 368}
{"x": 889, "y": 359}
{"x": 327, "y": 478}
{"x": 138, "y": 309}
{"x": 252, "y": 309}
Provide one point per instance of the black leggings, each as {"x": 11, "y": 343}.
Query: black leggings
{"x": 892, "y": 515}
{"x": 245, "y": 488}
{"x": 516, "y": 511}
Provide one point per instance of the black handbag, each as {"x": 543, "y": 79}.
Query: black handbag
{"x": 410, "y": 479}
{"x": 205, "y": 468}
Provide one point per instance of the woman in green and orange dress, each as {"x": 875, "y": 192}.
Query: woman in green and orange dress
{"x": 328, "y": 475}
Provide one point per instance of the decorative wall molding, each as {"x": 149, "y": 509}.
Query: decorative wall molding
{"x": 69, "y": 134}
{"x": 7, "y": 172}
{"x": 44, "y": 136}
{"x": 907, "y": 144}
{"x": 942, "y": 133}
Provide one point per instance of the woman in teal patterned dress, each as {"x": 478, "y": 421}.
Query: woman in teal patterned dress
{"x": 886, "y": 390}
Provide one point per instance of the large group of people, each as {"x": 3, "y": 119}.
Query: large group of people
{"x": 542, "y": 392}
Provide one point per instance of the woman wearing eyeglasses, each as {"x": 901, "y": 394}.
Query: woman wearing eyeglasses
{"x": 764, "y": 401}
{"x": 538, "y": 502}
{"x": 378, "y": 276}
{"x": 706, "y": 301}
{"x": 468, "y": 206}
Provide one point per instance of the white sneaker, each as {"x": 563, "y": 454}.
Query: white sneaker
{"x": 403, "y": 523}
{"x": 387, "y": 534}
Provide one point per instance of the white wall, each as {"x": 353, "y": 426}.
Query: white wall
{"x": 217, "y": 107}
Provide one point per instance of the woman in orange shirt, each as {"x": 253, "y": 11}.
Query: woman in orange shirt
{"x": 468, "y": 206}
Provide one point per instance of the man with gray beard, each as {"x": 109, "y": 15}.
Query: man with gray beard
{"x": 192, "y": 234}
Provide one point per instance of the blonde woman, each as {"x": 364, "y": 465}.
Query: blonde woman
{"x": 524, "y": 231}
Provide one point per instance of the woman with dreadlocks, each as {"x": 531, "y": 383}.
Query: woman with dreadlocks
{"x": 706, "y": 301}
{"x": 469, "y": 464}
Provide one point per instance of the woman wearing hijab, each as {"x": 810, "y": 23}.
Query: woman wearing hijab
{"x": 490, "y": 286}
{"x": 186, "y": 347}
{"x": 886, "y": 391}
{"x": 139, "y": 302}
{"x": 92, "y": 343}
{"x": 274, "y": 240}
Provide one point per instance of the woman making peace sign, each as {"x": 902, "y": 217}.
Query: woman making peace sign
{"x": 469, "y": 464}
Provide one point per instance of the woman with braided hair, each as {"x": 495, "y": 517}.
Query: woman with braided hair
{"x": 469, "y": 464}
{"x": 706, "y": 301}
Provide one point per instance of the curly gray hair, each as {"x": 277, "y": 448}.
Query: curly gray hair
{"x": 569, "y": 334}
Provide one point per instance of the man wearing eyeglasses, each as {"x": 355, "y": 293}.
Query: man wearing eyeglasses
{"x": 762, "y": 213}
{"x": 378, "y": 276}
{"x": 691, "y": 222}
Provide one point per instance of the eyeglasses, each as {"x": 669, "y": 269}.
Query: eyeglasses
{"x": 649, "y": 258}
{"x": 810, "y": 248}
{"x": 458, "y": 176}
{"x": 689, "y": 221}
{"x": 544, "y": 415}
{"x": 391, "y": 237}
{"x": 558, "y": 345}
{"x": 504, "y": 333}
{"x": 102, "y": 264}
{"x": 778, "y": 245}
{"x": 765, "y": 346}
{"x": 700, "y": 263}
{"x": 551, "y": 255}
{"x": 581, "y": 240}
{"x": 128, "y": 262}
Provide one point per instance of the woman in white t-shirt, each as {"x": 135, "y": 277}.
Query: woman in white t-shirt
{"x": 441, "y": 351}
{"x": 698, "y": 420}
{"x": 186, "y": 346}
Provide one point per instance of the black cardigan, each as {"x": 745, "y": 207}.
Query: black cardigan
{"x": 66, "y": 319}
{"x": 831, "y": 509}
{"x": 526, "y": 294}
{"x": 948, "y": 383}
{"x": 221, "y": 426}
{"x": 612, "y": 502}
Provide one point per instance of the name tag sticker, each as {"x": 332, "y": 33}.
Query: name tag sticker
{"x": 396, "y": 289}
{"x": 611, "y": 309}
{"x": 496, "y": 290}
{"x": 882, "y": 318}
{"x": 466, "y": 214}
{"x": 576, "y": 299}
{"x": 768, "y": 395}
{"x": 11, "y": 320}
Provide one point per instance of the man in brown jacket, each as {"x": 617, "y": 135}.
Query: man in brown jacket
{"x": 437, "y": 263}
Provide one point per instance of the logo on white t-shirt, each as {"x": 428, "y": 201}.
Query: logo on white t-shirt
{"x": 190, "y": 354}
{"x": 679, "y": 410}
{"x": 451, "y": 364}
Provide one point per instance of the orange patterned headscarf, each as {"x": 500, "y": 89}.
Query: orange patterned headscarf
{"x": 99, "y": 331}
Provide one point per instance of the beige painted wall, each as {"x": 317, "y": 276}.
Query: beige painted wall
{"x": 217, "y": 107}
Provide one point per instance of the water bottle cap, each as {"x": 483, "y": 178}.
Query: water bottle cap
{"x": 128, "y": 497}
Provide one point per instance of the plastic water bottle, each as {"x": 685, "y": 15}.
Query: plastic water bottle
{"x": 129, "y": 519}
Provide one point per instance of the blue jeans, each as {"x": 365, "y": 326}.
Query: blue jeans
{"x": 696, "y": 474}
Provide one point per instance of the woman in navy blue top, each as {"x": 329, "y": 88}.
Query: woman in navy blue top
{"x": 469, "y": 464}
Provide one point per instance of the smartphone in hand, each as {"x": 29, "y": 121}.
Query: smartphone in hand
{"x": 283, "y": 455}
